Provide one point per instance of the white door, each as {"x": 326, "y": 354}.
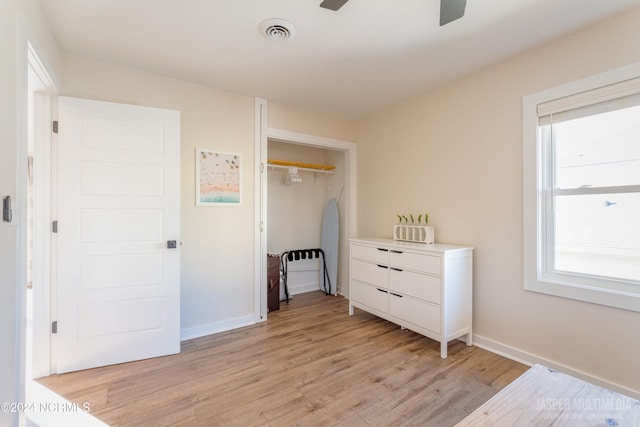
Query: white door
{"x": 118, "y": 287}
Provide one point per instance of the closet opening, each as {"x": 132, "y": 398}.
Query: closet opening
{"x": 302, "y": 180}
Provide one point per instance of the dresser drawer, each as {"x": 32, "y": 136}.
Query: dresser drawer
{"x": 369, "y": 295}
{"x": 417, "y": 285}
{"x": 370, "y": 253}
{"x": 375, "y": 274}
{"x": 419, "y": 262}
{"x": 417, "y": 312}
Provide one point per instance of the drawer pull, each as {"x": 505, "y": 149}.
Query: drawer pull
{"x": 396, "y": 252}
{"x": 396, "y": 269}
{"x": 383, "y": 249}
{"x": 396, "y": 295}
{"x": 382, "y": 266}
{"x": 382, "y": 290}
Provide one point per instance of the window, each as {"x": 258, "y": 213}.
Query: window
{"x": 582, "y": 189}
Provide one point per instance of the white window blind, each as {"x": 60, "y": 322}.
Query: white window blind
{"x": 601, "y": 100}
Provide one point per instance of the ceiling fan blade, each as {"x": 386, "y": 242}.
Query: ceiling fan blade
{"x": 333, "y": 4}
{"x": 450, "y": 10}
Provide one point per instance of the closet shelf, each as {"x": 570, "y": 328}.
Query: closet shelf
{"x": 284, "y": 164}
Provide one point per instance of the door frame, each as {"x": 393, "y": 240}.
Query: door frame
{"x": 35, "y": 76}
{"x": 263, "y": 133}
{"x": 44, "y": 184}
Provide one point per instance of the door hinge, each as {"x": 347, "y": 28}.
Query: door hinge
{"x": 54, "y": 226}
{"x": 54, "y": 327}
{"x": 55, "y": 126}
{"x": 261, "y": 167}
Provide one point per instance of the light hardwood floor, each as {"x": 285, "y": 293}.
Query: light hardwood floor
{"x": 310, "y": 364}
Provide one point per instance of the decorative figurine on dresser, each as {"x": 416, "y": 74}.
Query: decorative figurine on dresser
{"x": 423, "y": 287}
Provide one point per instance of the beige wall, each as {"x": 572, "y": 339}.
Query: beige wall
{"x": 311, "y": 122}
{"x": 456, "y": 153}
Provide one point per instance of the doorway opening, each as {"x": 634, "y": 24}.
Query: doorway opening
{"x": 36, "y": 188}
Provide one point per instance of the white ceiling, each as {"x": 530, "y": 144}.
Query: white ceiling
{"x": 364, "y": 57}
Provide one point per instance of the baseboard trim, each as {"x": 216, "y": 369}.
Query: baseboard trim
{"x": 301, "y": 288}
{"x": 531, "y": 359}
{"x": 214, "y": 328}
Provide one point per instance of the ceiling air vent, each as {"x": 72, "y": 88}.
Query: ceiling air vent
{"x": 277, "y": 29}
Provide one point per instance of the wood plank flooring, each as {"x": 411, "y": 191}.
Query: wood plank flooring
{"x": 310, "y": 364}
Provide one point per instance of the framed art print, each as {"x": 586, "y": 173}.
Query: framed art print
{"x": 217, "y": 178}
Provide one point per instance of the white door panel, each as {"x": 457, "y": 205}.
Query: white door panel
{"x": 108, "y": 271}
{"x": 118, "y": 289}
{"x": 125, "y": 180}
{"x": 120, "y": 225}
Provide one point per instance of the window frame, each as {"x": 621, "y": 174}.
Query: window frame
{"x": 538, "y": 210}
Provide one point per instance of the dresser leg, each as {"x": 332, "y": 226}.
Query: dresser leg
{"x": 469, "y": 339}
{"x": 350, "y": 310}
{"x": 443, "y": 349}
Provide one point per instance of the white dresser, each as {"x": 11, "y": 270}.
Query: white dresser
{"x": 421, "y": 287}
